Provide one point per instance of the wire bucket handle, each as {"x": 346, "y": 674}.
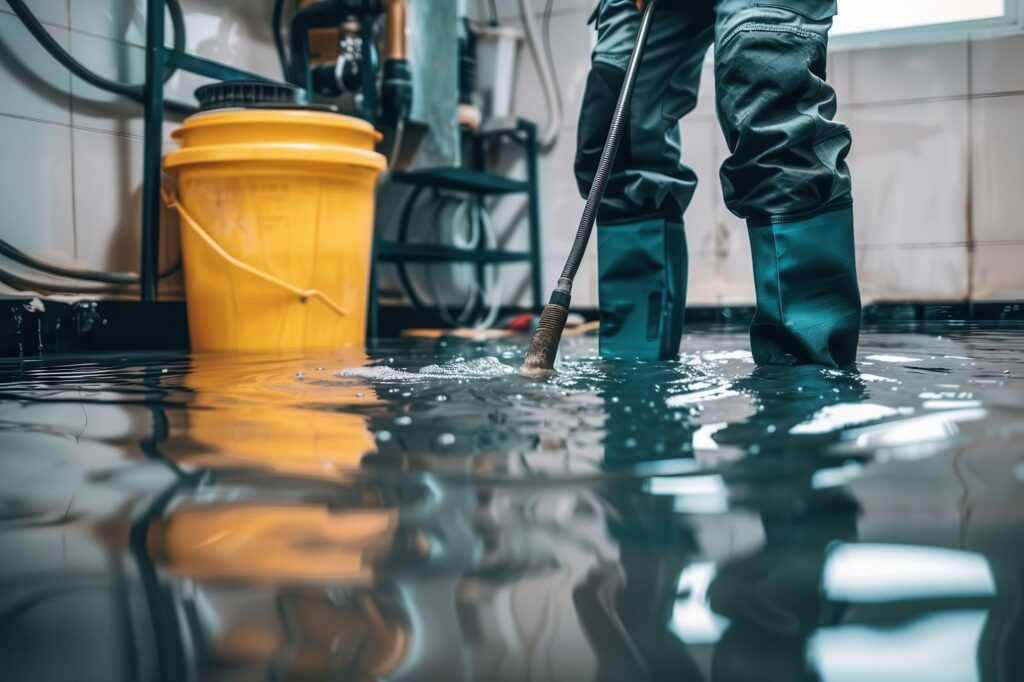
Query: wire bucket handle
{"x": 303, "y": 295}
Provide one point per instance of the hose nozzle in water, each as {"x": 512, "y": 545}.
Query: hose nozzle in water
{"x": 540, "y": 358}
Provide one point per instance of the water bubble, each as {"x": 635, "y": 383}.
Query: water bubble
{"x": 615, "y": 398}
{"x": 404, "y": 420}
{"x": 300, "y": 375}
{"x": 446, "y": 439}
{"x": 406, "y": 394}
{"x": 630, "y": 443}
{"x": 164, "y": 371}
{"x": 771, "y": 428}
{"x": 754, "y": 449}
{"x": 360, "y": 395}
{"x": 441, "y": 398}
{"x": 383, "y": 436}
{"x": 319, "y": 369}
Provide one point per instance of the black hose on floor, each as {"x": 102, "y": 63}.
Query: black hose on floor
{"x": 540, "y": 357}
{"x": 8, "y": 250}
{"x": 132, "y": 91}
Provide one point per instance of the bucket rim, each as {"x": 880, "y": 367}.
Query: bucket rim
{"x": 280, "y": 152}
{"x": 235, "y": 116}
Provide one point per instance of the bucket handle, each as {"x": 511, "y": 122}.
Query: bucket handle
{"x": 303, "y": 294}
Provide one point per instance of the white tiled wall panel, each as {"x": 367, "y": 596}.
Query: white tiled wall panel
{"x": 32, "y": 84}
{"x": 930, "y": 273}
{"x": 997, "y": 216}
{"x": 900, "y": 74}
{"x": 35, "y": 187}
{"x": 909, "y": 168}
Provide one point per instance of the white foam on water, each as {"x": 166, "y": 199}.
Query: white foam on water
{"x": 378, "y": 373}
{"x": 728, "y": 355}
{"x": 479, "y": 368}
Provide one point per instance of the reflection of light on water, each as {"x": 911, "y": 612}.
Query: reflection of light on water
{"x": 703, "y": 437}
{"x": 836, "y": 476}
{"x": 943, "y": 646}
{"x": 692, "y": 618}
{"x": 716, "y": 393}
{"x": 873, "y": 573}
{"x": 843, "y": 415}
{"x": 893, "y": 358}
{"x": 940, "y": 426}
{"x": 693, "y": 494}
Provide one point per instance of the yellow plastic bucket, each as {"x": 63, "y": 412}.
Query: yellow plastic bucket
{"x": 276, "y": 210}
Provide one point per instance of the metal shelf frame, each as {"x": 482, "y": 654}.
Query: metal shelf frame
{"x": 159, "y": 57}
{"x": 473, "y": 180}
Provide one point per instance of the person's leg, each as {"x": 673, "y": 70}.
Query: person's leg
{"x": 641, "y": 248}
{"x": 787, "y": 176}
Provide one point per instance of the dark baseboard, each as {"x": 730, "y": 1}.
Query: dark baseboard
{"x": 27, "y": 330}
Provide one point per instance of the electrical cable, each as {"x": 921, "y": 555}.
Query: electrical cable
{"x": 15, "y": 254}
{"x": 282, "y": 55}
{"x": 16, "y": 281}
{"x": 548, "y": 52}
{"x": 132, "y": 91}
{"x": 550, "y": 134}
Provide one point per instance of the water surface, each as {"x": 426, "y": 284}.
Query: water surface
{"x": 421, "y": 512}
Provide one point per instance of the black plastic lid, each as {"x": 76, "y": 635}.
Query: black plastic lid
{"x": 254, "y": 95}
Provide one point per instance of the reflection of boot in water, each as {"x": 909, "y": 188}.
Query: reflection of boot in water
{"x": 626, "y": 608}
{"x": 787, "y": 396}
{"x": 773, "y": 597}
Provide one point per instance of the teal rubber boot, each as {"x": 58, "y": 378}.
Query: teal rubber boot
{"x": 808, "y": 300}
{"x": 642, "y": 288}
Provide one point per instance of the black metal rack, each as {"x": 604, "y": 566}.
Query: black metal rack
{"x": 159, "y": 57}
{"x": 473, "y": 180}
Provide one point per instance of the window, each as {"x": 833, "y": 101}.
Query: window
{"x": 893, "y": 21}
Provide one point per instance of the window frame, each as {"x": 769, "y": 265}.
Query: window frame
{"x": 1012, "y": 21}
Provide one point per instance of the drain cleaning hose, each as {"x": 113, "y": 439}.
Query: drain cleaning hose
{"x": 544, "y": 344}
{"x": 547, "y": 79}
{"x": 132, "y": 91}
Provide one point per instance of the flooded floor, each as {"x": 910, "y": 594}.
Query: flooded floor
{"x": 424, "y": 513}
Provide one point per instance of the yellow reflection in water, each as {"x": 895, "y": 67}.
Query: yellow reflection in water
{"x": 251, "y": 541}
{"x": 257, "y": 411}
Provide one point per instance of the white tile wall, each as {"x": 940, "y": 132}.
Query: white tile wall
{"x": 70, "y": 174}
{"x": 35, "y": 181}
{"x": 998, "y": 226}
{"x": 909, "y": 167}
{"x": 32, "y": 84}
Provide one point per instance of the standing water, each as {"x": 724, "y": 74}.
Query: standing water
{"x": 425, "y": 513}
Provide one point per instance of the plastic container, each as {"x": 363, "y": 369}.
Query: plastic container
{"x": 277, "y": 209}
